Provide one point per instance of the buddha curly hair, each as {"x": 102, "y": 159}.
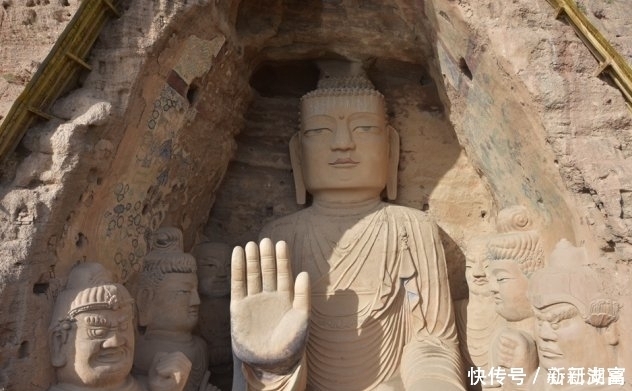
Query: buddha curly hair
{"x": 166, "y": 256}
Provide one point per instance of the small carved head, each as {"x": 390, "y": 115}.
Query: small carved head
{"x": 92, "y": 333}
{"x": 167, "y": 295}
{"x": 345, "y": 150}
{"x": 213, "y": 263}
{"x": 476, "y": 264}
{"x": 515, "y": 253}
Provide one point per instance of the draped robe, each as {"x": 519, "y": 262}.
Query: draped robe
{"x": 381, "y": 307}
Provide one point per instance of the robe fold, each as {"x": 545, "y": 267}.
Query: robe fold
{"x": 381, "y": 306}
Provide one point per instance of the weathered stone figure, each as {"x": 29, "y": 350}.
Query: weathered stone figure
{"x": 378, "y": 313}
{"x": 577, "y": 321}
{"x": 92, "y": 339}
{"x": 213, "y": 262}
{"x": 168, "y": 307}
{"x": 476, "y": 318}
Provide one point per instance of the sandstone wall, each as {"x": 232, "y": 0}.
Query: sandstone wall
{"x": 496, "y": 105}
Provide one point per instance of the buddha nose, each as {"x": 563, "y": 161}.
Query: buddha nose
{"x": 115, "y": 340}
{"x": 478, "y": 270}
{"x": 493, "y": 286}
{"x": 222, "y": 270}
{"x": 195, "y": 298}
{"x": 546, "y": 331}
{"x": 342, "y": 139}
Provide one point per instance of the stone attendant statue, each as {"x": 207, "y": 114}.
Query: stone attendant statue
{"x": 92, "y": 339}
{"x": 213, "y": 262}
{"x": 476, "y": 318}
{"x": 515, "y": 253}
{"x": 577, "y": 321}
{"x": 168, "y": 306}
{"x": 377, "y": 314}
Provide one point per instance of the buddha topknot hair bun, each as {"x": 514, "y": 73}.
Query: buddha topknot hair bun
{"x": 343, "y": 86}
{"x": 352, "y": 82}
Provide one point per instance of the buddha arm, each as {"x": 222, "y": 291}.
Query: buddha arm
{"x": 431, "y": 360}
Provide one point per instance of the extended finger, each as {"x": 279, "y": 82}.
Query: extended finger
{"x": 253, "y": 268}
{"x": 268, "y": 266}
{"x": 238, "y": 274}
{"x": 302, "y": 294}
{"x": 284, "y": 270}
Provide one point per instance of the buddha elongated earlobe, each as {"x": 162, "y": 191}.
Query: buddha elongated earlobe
{"x": 143, "y": 302}
{"x": 297, "y": 169}
{"x": 393, "y": 163}
{"x": 58, "y": 339}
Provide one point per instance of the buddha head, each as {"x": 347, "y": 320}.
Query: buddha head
{"x": 92, "y": 333}
{"x": 344, "y": 151}
{"x": 515, "y": 253}
{"x": 576, "y": 321}
{"x": 213, "y": 268}
{"x": 476, "y": 264}
{"x": 167, "y": 296}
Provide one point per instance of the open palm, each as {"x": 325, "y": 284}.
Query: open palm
{"x": 269, "y": 313}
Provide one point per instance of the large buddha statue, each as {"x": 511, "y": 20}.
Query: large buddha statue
{"x": 371, "y": 308}
{"x": 92, "y": 339}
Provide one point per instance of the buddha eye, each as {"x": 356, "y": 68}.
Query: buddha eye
{"x": 315, "y": 131}
{"x": 366, "y": 129}
{"x": 97, "y": 332}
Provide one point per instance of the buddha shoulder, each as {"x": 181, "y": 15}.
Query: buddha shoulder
{"x": 405, "y": 213}
{"x": 282, "y": 225}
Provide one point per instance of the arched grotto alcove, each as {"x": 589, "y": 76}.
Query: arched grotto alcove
{"x": 186, "y": 117}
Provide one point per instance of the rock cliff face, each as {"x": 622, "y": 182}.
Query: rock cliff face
{"x": 496, "y": 105}
{"x": 28, "y": 30}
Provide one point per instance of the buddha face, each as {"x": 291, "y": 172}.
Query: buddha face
{"x": 564, "y": 339}
{"x": 345, "y": 150}
{"x": 175, "y": 304}
{"x": 509, "y": 286}
{"x": 99, "y": 350}
{"x": 476, "y": 264}
{"x": 213, "y": 261}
